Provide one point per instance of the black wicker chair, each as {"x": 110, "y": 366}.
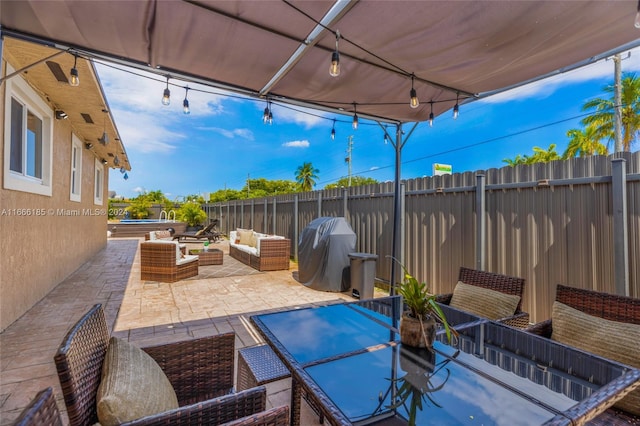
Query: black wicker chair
{"x": 42, "y": 410}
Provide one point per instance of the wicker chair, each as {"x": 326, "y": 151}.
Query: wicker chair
{"x": 158, "y": 263}
{"x": 608, "y": 306}
{"x": 503, "y": 283}
{"x": 42, "y": 410}
{"x": 201, "y": 372}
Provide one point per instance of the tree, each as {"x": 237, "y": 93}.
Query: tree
{"x": 540, "y": 155}
{"x": 306, "y": 176}
{"x": 520, "y": 159}
{"x": 139, "y": 207}
{"x": 584, "y": 142}
{"x": 355, "y": 181}
{"x": 603, "y": 118}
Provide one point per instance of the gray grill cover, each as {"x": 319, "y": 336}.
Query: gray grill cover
{"x": 323, "y": 253}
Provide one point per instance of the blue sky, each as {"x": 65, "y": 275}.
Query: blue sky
{"x": 223, "y": 140}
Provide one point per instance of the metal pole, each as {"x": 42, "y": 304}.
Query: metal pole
{"x": 295, "y": 227}
{"x": 618, "y": 103}
{"x": 397, "y": 206}
{"x": 345, "y": 203}
{"x": 620, "y": 229}
{"x": 481, "y": 222}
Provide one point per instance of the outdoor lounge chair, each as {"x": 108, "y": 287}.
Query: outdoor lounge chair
{"x": 498, "y": 282}
{"x": 42, "y": 410}
{"x": 209, "y": 232}
{"x": 159, "y": 262}
{"x": 201, "y": 372}
{"x": 608, "y": 307}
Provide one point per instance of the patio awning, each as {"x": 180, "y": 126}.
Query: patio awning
{"x": 457, "y": 50}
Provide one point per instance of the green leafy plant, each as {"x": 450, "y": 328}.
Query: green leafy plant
{"x": 420, "y": 303}
{"x": 191, "y": 213}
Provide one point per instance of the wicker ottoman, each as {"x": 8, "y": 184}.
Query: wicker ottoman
{"x": 210, "y": 257}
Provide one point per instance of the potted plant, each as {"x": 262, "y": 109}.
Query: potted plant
{"x": 418, "y": 321}
{"x": 191, "y": 213}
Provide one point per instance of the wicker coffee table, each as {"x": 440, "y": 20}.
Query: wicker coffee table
{"x": 210, "y": 257}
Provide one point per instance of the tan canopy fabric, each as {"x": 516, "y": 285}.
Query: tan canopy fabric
{"x": 455, "y": 49}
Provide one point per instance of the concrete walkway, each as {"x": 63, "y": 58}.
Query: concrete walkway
{"x": 143, "y": 312}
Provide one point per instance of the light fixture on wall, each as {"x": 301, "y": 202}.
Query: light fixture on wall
{"x": 333, "y": 130}
{"x": 431, "y": 115}
{"x": 166, "y": 96}
{"x": 413, "y": 102}
{"x": 104, "y": 139}
{"x": 88, "y": 145}
{"x": 185, "y": 103}
{"x": 104, "y": 161}
{"x": 61, "y": 115}
{"x": 334, "y": 69}
{"x": 74, "y": 79}
{"x": 354, "y": 123}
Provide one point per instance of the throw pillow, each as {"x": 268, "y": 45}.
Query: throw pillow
{"x": 245, "y": 236}
{"x": 608, "y": 339}
{"x": 162, "y": 234}
{"x": 132, "y": 385}
{"x": 483, "y": 302}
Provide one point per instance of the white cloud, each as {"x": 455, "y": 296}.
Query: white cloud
{"x": 297, "y": 144}
{"x": 138, "y": 189}
{"x": 374, "y": 168}
{"x": 242, "y": 133}
{"x": 544, "y": 88}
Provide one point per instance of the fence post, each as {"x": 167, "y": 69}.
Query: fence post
{"x": 242, "y": 215}
{"x": 264, "y": 220}
{"x": 620, "y": 231}
{"x": 481, "y": 222}
{"x": 319, "y": 204}
{"x": 273, "y": 216}
{"x": 295, "y": 227}
{"x": 253, "y": 211}
{"x": 345, "y": 204}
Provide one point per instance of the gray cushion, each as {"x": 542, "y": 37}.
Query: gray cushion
{"x": 132, "y": 386}
{"x": 609, "y": 339}
{"x": 484, "y": 302}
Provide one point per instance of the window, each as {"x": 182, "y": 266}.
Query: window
{"x": 28, "y": 130}
{"x": 99, "y": 178}
{"x": 76, "y": 168}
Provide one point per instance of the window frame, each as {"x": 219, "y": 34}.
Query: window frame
{"x": 17, "y": 88}
{"x": 98, "y": 183}
{"x": 75, "y": 178}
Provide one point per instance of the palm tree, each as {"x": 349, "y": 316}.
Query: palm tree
{"x": 603, "y": 118}
{"x": 306, "y": 175}
{"x": 584, "y": 142}
{"x": 541, "y": 155}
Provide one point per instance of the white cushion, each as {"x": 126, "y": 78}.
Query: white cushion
{"x": 188, "y": 258}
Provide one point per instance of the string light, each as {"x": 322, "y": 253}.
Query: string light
{"x": 333, "y": 130}
{"x": 334, "y": 69}
{"x": 386, "y": 135}
{"x": 636, "y": 23}
{"x": 185, "y": 103}
{"x": 354, "y": 124}
{"x": 267, "y": 116}
{"x": 104, "y": 139}
{"x": 413, "y": 102}
{"x": 456, "y": 108}
{"x": 431, "y": 115}
{"x": 166, "y": 96}
{"x": 74, "y": 79}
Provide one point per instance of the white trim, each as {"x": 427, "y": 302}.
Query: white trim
{"x": 98, "y": 183}
{"x": 17, "y": 88}
{"x": 75, "y": 172}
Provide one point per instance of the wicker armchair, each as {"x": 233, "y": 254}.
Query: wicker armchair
{"x": 158, "y": 262}
{"x": 502, "y": 283}
{"x": 42, "y": 410}
{"x": 608, "y": 306}
{"x": 201, "y": 372}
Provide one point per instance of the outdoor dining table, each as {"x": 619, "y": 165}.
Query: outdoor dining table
{"x": 348, "y": 360}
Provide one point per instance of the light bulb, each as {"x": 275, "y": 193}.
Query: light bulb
{"x": 431, "y": 119}
{"x": 414, "y": 102}
{"x": 265, "y": 115}
{"x": 185, "y": 106}
{"x": 637, "y": 21}
{"x": 333, "y": 134}
{"x": 355, "y": 122}
{"x": 74, "y": 80}
{"x": 166, "y": 97}
{"x": 334, "y": 69}
{"x": 455, "y": 111}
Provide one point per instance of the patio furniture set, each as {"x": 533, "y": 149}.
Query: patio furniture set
{"x": 260, "y": 251}
{"x": 338, "y": 366}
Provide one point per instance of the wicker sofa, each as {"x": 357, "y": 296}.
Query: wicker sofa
{"x": 164, "y": 261}
{"x": 498, "y": 282}
{"x": 263, "y": 252}
{"x": 201, "y": 371}
{"x": 609, "y": 307}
